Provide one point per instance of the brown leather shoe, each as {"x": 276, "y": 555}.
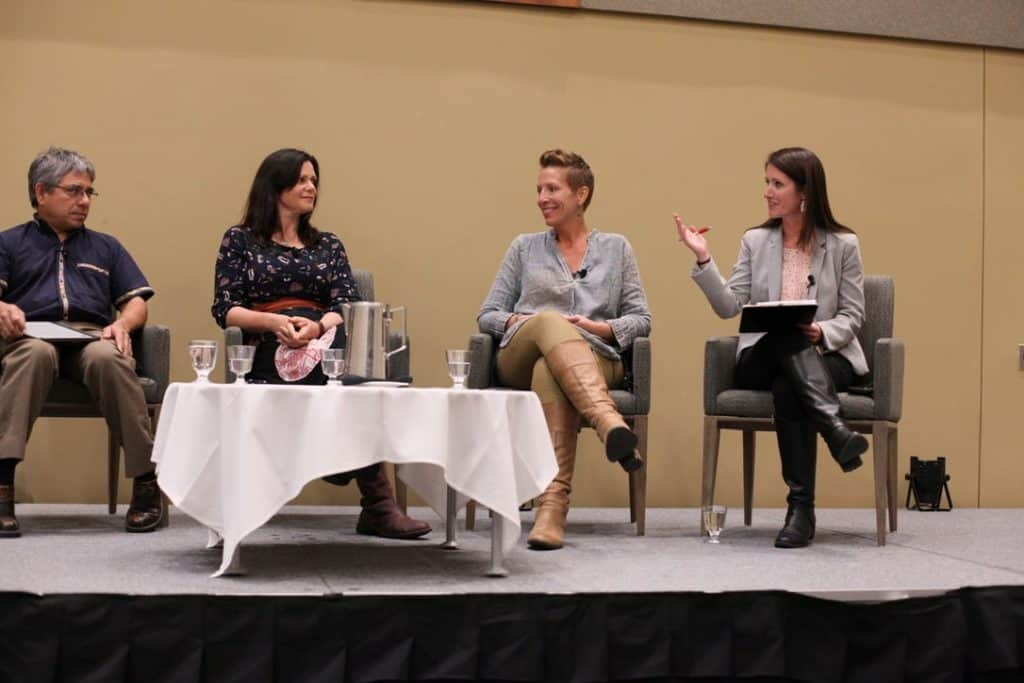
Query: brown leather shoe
{"x": 147, "y": 511}
{"x": 8, "y": 522}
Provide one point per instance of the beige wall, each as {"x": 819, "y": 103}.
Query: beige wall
{"x": 427, "y": 119}
{"x": 1001, "y": 468}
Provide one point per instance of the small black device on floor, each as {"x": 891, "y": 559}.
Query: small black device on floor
{"x": 928, "y": 479}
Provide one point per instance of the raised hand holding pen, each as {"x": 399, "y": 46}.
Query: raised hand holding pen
{"x": 693, "y": 238}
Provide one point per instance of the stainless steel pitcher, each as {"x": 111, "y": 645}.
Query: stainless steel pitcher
{"x": 367, "y": 327}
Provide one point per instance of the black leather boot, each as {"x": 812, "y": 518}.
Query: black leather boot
{"x": 798, "y": 443}
{"x": 798, "y": 529}
{"x": 812, "y": 383}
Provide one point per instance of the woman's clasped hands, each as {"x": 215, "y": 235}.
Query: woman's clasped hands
{"x": 294, "y": 331}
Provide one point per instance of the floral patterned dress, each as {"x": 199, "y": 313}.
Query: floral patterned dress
{"x": 250, "y": 272}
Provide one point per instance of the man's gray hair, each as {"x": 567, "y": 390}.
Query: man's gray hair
{"x": 50, "y": 166}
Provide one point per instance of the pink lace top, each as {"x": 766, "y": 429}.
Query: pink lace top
{"x": 796, "y": 264}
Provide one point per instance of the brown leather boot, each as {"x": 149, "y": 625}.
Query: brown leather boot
{"x": 381, "y": 515}
{"x": 147, "y": 510}
{"x": 572, "y": 363}
{"x": 552, "y": 506}
{"x": 8, "y": 522}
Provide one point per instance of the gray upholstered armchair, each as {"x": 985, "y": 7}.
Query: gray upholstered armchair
{"x": 398, "y": 364}
{"x": 874, "y": 408}
{"x": 152, "y": 349}
{"x": 633, "y": 401}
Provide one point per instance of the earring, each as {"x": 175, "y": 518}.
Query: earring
{"x": 803, "y": 206}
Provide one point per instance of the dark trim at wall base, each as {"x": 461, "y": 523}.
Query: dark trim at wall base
{"x": 967, "y": 635}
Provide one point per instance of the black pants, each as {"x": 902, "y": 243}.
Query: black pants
{"x": 758, "y": 368}
{"x": 263, "y": 369}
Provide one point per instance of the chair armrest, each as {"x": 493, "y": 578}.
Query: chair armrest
{"x": 719, "y": 369}
{"x": 153, "y": 355}
{"x": 888, "y": 379}
{"x": 481, "y": 361}
{"x": 641, "y": 372}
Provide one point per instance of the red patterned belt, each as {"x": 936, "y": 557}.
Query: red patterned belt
{"x": 286, "y": 303}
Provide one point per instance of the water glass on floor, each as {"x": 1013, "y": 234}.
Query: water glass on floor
{"x": 714, "y": 521}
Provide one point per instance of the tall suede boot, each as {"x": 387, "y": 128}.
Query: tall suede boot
{"x": 572, "y": 363}
{"x": 381, "y": 515}
{"x": 553, "y": 505}
{"x": 812, "y": 383}
{"x": 798, "y": 443}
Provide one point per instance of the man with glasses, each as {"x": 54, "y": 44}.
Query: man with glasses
{"x": 55, "y": 269}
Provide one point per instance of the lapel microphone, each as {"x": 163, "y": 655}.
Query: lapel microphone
{"x": 580, "y": 274}
{"x": 810, "y": 282}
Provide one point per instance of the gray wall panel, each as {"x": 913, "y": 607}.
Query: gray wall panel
{"x": 994, "y": 23}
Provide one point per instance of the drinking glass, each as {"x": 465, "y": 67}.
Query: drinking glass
{"x": 333, "y": 364}
{"x": 458, "y": 366}
{"x": 714, "y": 520}
{"x": 240, "y": 358}
{"x": 203, "y": 353}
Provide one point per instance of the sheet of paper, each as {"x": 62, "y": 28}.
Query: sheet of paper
{"x": 55, "y": 332}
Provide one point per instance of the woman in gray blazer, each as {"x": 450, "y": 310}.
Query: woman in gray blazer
{"x": 800, "y": 252}
{"x": 565, "y": 303}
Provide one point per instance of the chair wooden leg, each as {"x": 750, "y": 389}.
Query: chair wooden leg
{"x": 894, "y": 461}
{"x": 113, "y": 469}
{"x": 710, "y": 465}
{"x": 631, "y": 480}
{"x": 748, "y": 475}
{"x": 470, "y": 515}
{"x": 880, "y": 448}
{"x": 638, "y": 479}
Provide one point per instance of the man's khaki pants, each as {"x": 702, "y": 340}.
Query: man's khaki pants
{"x": 28, "y": 368}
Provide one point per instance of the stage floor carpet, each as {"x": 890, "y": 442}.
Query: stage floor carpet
{"x": 309, "y": 551}
{"x": 80, "y": 600}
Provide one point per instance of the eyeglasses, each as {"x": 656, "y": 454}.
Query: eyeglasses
{"x": 79, "y": 191}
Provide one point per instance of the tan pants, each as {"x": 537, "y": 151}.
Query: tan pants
{"x": 521, "y": 364}
{"x": 28, "y": 368}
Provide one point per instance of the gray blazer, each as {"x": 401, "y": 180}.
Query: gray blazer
{"x": 757, "y": 276}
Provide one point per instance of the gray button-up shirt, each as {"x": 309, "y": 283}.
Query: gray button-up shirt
{"x": 534, "y": 277}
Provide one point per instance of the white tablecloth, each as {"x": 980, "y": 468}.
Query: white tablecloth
{"x": 231, "y": 456}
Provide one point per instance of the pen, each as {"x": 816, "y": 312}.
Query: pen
{"x": 701, "y": 231}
